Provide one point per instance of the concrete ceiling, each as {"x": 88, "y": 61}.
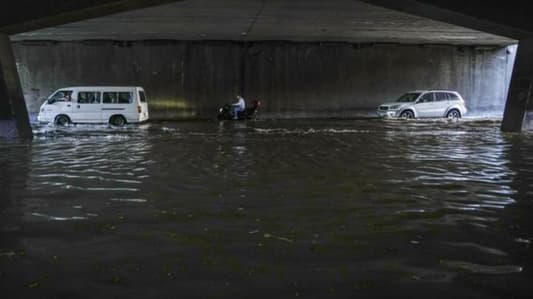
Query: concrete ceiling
{"x": 291, "y": 20}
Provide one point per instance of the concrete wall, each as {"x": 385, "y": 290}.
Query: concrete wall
{"x": 192, "y": 79}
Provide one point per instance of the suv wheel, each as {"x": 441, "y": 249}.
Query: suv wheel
{"x": 408, "y": 114}
{"x": 453, "y": 114}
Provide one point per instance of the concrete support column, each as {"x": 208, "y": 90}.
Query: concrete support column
{"x": 516, "y": 116}
{"x": 14, "y": 119}
{"x": 5, "y": 107}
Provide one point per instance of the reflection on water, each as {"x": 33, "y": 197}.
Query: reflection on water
{"x": 268, "y": 209}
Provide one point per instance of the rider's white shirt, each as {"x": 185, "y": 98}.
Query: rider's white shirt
{"x": 241, "y": 104}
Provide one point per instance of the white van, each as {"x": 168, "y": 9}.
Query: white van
{"x": 95, "y": 104}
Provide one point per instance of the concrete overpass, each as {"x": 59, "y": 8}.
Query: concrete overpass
{"x": 360, "y": 23}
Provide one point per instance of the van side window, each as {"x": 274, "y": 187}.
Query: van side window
{"x": 88, "y": 97}
{"x": 142, "y": 96}
{"x": 110, "y": 98}
{"x": 125, "y": 97}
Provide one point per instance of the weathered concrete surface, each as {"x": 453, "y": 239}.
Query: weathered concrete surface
{"x": 259, "y": 20}
{"x": 25, "y": 15}
{"x": 520, "y": 92}
{"x": 528, "y": 121}
{"x": 13, "y": 104}
{"x": 507, "y": 18}
{"x": 8, "y": 129}
{"x": 192, "y": 79}
{"x": 5, "y": 106}
{"x": 519, "y": 108}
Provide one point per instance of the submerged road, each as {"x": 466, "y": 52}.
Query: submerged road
{"x": 268, "y": 209}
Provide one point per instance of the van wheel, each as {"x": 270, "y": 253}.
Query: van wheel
{"x": 62, "y": 120}
{"x": 453, "y": 114}
{"x": 117, "y": 121}
{"x": 408, "y": 114}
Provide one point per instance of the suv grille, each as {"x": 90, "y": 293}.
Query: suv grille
{"x": 383, "y": 108}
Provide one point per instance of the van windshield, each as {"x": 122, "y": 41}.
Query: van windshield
{"x": 408, "y": 97}
{"x": 61, "y": 96}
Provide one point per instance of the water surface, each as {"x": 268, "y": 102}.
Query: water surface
{"x": 268, "y": 209}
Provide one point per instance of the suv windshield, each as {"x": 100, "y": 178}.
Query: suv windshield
{"x": 408, "y": 97}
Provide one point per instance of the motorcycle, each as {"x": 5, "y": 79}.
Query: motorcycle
{"x": 226, "y": 112}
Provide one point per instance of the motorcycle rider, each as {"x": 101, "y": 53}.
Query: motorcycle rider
{"x": 238, "y": 106}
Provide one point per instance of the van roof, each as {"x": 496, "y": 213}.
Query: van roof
{"x": 102, "y": 87}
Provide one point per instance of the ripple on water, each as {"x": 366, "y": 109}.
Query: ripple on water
{"x": 483, "y": 269}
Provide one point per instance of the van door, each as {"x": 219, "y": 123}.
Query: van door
{"x": 88, "y": 107}
{"x": 143, "y": 103}
{"x": 60, "y": 103}
{"x": 118, "y": 103}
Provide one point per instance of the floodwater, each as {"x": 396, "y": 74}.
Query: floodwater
{"x": 268, "y": 209}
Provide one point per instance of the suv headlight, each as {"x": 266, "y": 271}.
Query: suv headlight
{"x": 395, "y": 107}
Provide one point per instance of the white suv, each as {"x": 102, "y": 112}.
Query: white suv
{"x": 425, "y": 103}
